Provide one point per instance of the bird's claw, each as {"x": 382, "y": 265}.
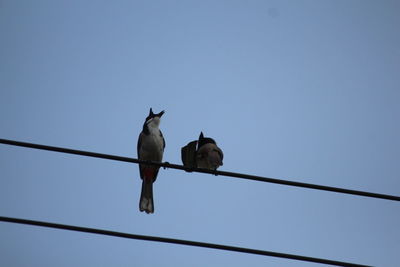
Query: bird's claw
{"x": 189, "y": 169}
{"x": 165, "y": 167}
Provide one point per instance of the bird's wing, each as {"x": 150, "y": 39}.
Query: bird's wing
{"x": 219, "y": 151}
{"x": 162, "y": 139}
{"x": 139, "y": 144}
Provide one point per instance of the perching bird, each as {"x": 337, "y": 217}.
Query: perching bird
{"x": 150, "y": 146}
{"x": 208, "y": 154}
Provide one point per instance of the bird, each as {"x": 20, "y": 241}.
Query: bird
{"x": 208, "y": 154}
{"x": 150, "y": 146}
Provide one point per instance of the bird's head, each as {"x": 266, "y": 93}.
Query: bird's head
{"x": 205, "y": 140}
{"x": 153, "y": 119}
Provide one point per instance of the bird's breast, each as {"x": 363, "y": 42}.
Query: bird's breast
{"x": 152, "y": 147}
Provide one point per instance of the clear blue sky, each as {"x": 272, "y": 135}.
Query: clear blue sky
{"x": 300, "y": 90}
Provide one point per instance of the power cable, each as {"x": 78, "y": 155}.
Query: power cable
{"x": 179, "y": 241}
{"x": 222, "y": 173}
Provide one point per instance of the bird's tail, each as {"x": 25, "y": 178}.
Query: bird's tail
{"x": 146, "y": 198}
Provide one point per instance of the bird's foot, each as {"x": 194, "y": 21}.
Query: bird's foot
{"x": 189, "y": 169}
{"x": 165, "y": 167}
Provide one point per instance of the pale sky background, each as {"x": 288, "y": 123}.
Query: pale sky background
{"x": 299, "y": 90}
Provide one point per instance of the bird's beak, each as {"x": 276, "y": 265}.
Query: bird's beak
{"x": 161, "y": 113}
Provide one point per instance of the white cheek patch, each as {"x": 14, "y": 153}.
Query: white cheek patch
{"x": 154, "y": 122}
{"x": 153, "y": 125}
